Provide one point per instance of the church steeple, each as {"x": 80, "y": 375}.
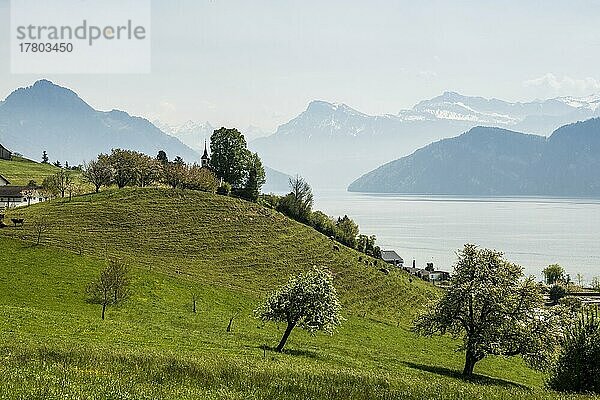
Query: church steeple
{"x": 205, "y": 160}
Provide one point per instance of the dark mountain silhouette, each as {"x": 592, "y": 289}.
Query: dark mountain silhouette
{"x": 494, "y": 161}
{"x": 49, "y": 117}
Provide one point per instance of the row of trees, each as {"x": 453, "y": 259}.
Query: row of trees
{"x": 123, "y": 168}
{"x": 232, "y": 168}
{"x": 46, "y": 160}
{"x": 298, "y": 205}
{"x": 130, "y": 168}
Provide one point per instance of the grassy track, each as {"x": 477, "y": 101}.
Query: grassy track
{"x": 19, "y": 171}
{"x": 230, "y": 254}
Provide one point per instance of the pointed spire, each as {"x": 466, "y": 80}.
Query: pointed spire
{"x": 205, "y": 159}
{"x": 205, "y": 155}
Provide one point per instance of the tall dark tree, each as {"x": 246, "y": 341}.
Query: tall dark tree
{"x": 162, "y": 157}
{"x": 229, "y": 156}
{"x": 44, "y": 157}
{"x": 346, "y": 231}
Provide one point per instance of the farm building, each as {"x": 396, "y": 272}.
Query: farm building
{"x": 4, "y": 153}
{"x": 391, "y": 257}
{"x": 16, "y": 196}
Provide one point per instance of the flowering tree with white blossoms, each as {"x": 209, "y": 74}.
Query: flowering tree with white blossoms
{"x": 308, "y": 300}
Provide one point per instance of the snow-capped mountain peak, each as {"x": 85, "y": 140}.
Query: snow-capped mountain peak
{"x": 457, "y": 107}
{"x": 591, "y": 102}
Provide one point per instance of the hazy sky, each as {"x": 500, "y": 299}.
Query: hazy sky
{"x": 240, "y": 63}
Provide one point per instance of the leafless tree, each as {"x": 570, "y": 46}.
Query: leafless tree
{"x": 111, "y": 286}
{"x": 40, "y": 226}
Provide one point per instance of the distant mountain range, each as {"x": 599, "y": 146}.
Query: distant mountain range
{"x": 194, "y": 133}
{"x": 47, "y": 117}
{"x": 51, "y": 118}
{"x": 331, "y": 144}
{"x": 190, "y": 133}
{"x": 539, "y": 117}
{"x": 494, "y": 161}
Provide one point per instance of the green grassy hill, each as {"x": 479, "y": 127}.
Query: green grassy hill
{"x": 19, "y": 171}
{"x": 229, "y": 253}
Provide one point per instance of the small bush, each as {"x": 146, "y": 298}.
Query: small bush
{"x": 269, "y": 200}
{"x": 578, "y": 366}
{"x": 557, "y": 292}
{"x": 224, "y": 189}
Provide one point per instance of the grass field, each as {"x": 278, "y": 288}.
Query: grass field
{"x": 19, "y": 171}
{"x": 229, "y": 253}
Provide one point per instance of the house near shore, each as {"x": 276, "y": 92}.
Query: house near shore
{"x": 435, "y": 276}
{"x": 18, "y": 196}
{"x": 4, "y": 153}
{"x": 429, "y": 273}
{"x": 391, "y": 257}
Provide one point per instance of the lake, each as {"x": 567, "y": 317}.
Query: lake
{"x": 532, "y": 232}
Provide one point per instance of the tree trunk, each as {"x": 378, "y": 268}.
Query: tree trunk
{"x": 103, "y": 309}
{"x": 470, "y": 361}
{"x": 285, "y": 337}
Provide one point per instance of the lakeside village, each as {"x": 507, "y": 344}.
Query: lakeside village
{"x": 12, "y": 196}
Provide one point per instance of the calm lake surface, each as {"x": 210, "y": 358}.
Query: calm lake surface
{"x": 532, "y": 232}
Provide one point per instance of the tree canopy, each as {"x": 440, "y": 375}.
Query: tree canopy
{"x": 553, "y": 274}
{"x": 123, "y": 164}
{"x": 98, "y": 172}
{"x": 256, "y": 177}
{"x": 493, "y": 308}
{"x": 58, "y": 183}
{"x": 229, "y": 156}
{"x": 308, "y": 300}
